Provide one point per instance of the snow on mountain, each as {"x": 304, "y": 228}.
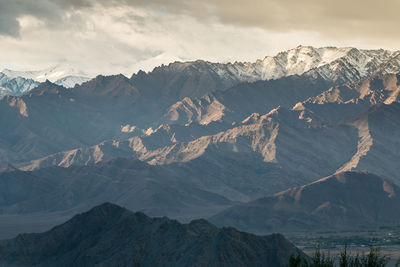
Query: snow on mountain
{"x": 195, "y": 82}
{"x": 197, "y": 78}
{"x": 16, "y": 83}
{"x": 15, "y": 86}
{"x": 52, "y": 74}
{"x": 331, "y": 63}
{"x": 71, "y": 81}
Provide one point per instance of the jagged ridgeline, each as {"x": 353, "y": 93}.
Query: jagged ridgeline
{"x": 109, "y": 235}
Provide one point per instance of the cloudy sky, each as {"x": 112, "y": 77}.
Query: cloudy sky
{"x": 123, "y": 36}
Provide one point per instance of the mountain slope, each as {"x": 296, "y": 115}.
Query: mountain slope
{"x": 51, "y": 118}
{"x": 134, "y": 184}
{"x": 301, "y": 93}
{"x": 341, "y": 102}
{"x": 379, "y": 143}
{"x": 239, "y": 101}
{"x": 344, "y": 201}
{"x": 109, "y": 235}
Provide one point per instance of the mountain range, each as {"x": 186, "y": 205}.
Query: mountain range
{"x": 191, "y": 140}
{"x": 331, "y": 136}
{"x": 197, "y": 78}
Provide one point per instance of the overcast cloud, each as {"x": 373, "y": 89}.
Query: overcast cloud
{"x": 112, "y": 36}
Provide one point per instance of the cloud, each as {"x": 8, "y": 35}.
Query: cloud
{"x": 358, "y": 19}
{"x": 125, "y": 39}
{"x": 361, "y": 19}
{"x": 112, "y": 36}
{"x": 11, "y": 11}
{"x": 9, "y": 25}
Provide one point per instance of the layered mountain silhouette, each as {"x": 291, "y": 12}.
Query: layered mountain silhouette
{"x": 342, "y": 202}
{"x": 332, "y": 134}
{"x": 160, "y": 191}
{"x": 111, "y": 108}
{"x": 191, "y": 139}
{"x": 235, "y": 103}
{"x": 117, "y": 107}
{"x": 111, "y": 235}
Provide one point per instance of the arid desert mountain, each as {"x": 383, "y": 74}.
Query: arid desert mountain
{"x": 344, "y": 201}
{"x": 111, "y": 235}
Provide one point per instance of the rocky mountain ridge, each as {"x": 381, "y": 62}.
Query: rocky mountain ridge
{"x": 197, "y": 78}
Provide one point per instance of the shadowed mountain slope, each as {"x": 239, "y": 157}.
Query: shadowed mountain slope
{"x": 132, "y": 183}
{"x": 344, "y": 201}
{"x": 109, "y": 235}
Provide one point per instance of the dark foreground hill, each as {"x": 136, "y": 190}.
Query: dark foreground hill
{"x": 345, "y": 201}
{"x": 109, "y": 235}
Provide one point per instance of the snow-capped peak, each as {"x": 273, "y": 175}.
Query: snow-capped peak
{"x": 61, "y": 74}
{"x": 346, "y": 64}
{"x": 52, "y": 74}
{"x": 334, "y": 64}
